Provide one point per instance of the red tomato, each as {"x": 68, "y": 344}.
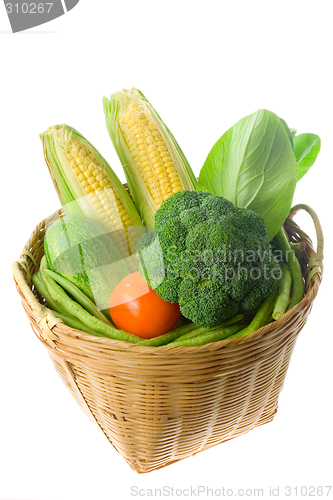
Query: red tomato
{"x": 137, "y": 309}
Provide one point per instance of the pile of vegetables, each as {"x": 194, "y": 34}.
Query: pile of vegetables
{"x": 180, "y": 262}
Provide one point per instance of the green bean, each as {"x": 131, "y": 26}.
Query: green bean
{"x": 268, "y": 319}
{"x": 168, "y": 337}
{"x": 297, "y": 292}
{"x": 41, "y": 288}
{"x": 187, "y": 332}
{"x": 75, "y": 323}
{"x": 202, "y": 331}
{"x": 231, "y": 321}
{"x": 297, "y": 247}
{"x": 266, "y": 307}
{"x": 282, "y": 301}
{"x": 74, "y": 309}
{"x": 77, "y": 295}
{"x": 57, "y": 310}
{"x": 206, "y": 338}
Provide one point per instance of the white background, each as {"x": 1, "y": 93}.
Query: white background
{"x": 203, "y": 65}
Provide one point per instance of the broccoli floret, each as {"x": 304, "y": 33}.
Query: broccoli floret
{"x": 210, "y": 256}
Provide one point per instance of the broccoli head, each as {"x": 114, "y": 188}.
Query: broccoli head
{"x": 208, "y": 255}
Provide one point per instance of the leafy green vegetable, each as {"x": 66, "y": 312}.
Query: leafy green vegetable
{"x": 289, "y": 132}
{"x": 307, "y": 147}
{"x": 254, "y": 166}
{"x": 293, "y": 132}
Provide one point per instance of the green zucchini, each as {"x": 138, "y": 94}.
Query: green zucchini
{"x": 81, "y": 251}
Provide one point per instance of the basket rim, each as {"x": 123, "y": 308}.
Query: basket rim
{"x": 271, "y": 327}
{"x": 49, "y": 325}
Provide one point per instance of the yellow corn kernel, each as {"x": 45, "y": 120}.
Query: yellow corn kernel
{"x": 147, "y": 150}
{"x": 150, "y": 153}
{"x": 105, "y": 200}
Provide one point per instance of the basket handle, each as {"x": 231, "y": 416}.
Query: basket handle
{"x": 315, "y": 264}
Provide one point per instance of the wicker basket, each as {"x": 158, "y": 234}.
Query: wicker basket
{"x": 157, "y": 405}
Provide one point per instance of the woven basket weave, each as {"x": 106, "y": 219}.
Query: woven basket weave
{"x": 157, "y": 405}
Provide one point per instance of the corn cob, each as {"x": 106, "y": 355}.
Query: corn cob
{"x": 87, "y": 185}
{"x": 154, "y": 165}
